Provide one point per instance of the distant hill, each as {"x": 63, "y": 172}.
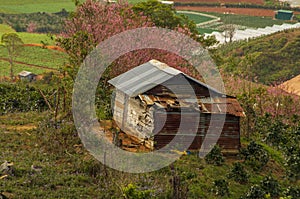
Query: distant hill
{"x": 270, "y": 59}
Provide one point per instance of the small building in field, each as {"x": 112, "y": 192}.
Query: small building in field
{"x": 154, "y": 103}
{"x": 284, "y": 15}
{"x": 26, "y": 75}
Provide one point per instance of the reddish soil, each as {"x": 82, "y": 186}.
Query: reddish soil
{"x": 259, "y": 2}
{"x": 240, "y": 11}
{"x": 48, "y": 47}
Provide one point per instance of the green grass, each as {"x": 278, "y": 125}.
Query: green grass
{"x": 27, "y": 38}
{"x": 30, "y": 6}
{"x": 35, "y": 38}
{"x": 69, "y": 171}
{"x": 17, "y": 68}
{"x": 6, "y": 28}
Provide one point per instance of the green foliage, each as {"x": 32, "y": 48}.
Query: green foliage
{"x": 238, "y": 173}
{"x": 132, "y": 192}
{"x": 215, "y": 156}
{"x": 292, "y": 192}
{"x": 255, "y": 156}
{"x": 20, "y": 98}
{"x": 276, "y": 134}
{"x": 255, "y": 192}
{"x": 221, "y": 187}
{"x": 165, "y": 16}
{"x": 271, "y": 186}
{"x": 36, "y": 22}
{"x": 13, "y": 44}
{"x": 293, "y": 164}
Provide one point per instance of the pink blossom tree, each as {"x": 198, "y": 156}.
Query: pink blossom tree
{"x": 94, "y": 22}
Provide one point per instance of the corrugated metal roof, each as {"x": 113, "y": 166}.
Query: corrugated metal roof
{"x": 146, "y": 76}
{"x": 25, "y": 73}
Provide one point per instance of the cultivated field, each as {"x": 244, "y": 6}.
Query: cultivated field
{"x": 33, "y": 56}
{"x": 34, "y": 59}
{"x": 30, "y": 6}
{"x": 238, "y": 11}
{"x": 260, "y": 2}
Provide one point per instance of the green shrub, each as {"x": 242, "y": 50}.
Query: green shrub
{"x": 271, "y": 186}
{"x": 215, "y": 156}
{"x": 20, "y": 98}
{"x": 255, "y": 192}
{"x": 293, "y": 165}
{"x": 292, "y": 192}
{"x": 255, "y": 156}
{"x": 238, "y": 173}
{"x": 132, "y": 192}
{"x": 221, "y": 187}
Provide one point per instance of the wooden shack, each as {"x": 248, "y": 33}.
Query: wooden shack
{"x": 146, "y": 107}
{"x": 26, "y": 75}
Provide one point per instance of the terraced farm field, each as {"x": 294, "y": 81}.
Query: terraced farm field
{"x": 34, "y": 59}
{"x": 30, "y": 6}
{"x": 260, "y": 2}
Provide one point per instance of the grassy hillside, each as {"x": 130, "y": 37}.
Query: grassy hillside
{"x": 34, "y": 59}
{"x": 31, "y": 58}
{"x": 69, "y": 171}
{"x": 268, "y": 59}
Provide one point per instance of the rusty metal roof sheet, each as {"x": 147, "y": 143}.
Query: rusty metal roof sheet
{"x": 228, "y": 105}
{"x": 206, "y": 105}
{"x": 146, "y": 76}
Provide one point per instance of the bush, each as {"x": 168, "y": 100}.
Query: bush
{"x": 20, "y": 98}
{"x": 255, "y": 156}
{"x": 293, "y": 165}
{"x": 215, "y": 156}
{"x": 292, "y": 192}
{"x": 270, "y": 186}
{"x": 238, "y": 173}
{"x": 132, "y": 192}
{"x": 221, "y": 187}
{"x": 255, "y": 192}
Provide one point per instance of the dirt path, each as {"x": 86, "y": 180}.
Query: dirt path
{"x": 26, "y": 127}
{"x": 48, "y": 47}
{"x": 30, "y": 65}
